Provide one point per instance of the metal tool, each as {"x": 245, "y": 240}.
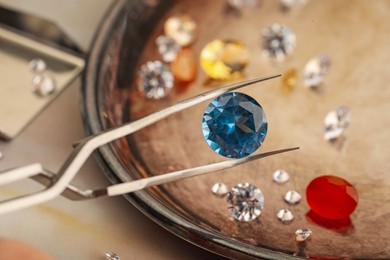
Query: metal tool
{"x": 59, "y": 183}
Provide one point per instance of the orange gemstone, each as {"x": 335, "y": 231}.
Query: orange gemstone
{"x": 331, "y": 197}
{"x": 184, "y": 66}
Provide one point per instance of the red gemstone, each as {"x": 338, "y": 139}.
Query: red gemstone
{"x": 331, "y": 197}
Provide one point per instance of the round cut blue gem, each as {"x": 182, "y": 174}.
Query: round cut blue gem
{"x": 234, "y": 125}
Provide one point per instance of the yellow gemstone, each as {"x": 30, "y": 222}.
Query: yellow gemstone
{"x": 181, "y": 28}
{"x": 223, "y": 59}
{"x": 289, "y": 80}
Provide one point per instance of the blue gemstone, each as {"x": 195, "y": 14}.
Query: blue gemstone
{"x": 234, "y": 125}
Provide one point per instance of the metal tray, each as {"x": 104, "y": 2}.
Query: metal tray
{"x": 16, "y": 50}
{"x": 353, "y": 33}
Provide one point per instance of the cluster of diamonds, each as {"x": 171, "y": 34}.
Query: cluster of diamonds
{"x": 156, "y": 78}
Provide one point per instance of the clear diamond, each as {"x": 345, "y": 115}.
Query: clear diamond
{"x": 181, "y": 28}
{"x": 155, "y": 79}
{"x": 302, "y": 234}
{"x": 315, "y": 71}
{"x": 37, "y": 65}
{"x": 336, "y": 122}
{"x": 167, "y": 47}
{"x": 43, "y": 85}
{"x": 245, "y": 201}
{"x": 285, "y": 216}
{"x": 112, "y": 256}
{"x": 281, "y": 176}
{"x": 243, "y": 3}
{"x": 278, "y": 41}
{"x": 219, "y": 189}
{"x": 234, "y": 125}
{"x": 292, "y": 197}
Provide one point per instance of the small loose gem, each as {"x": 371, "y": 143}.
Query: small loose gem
{"x": 234, "y": 125}
{"x": 331, "y": 197}
{"x": 303, "y": 234}
{"x": 37, "y": 65}
{"x": 167, "y": 47}
{"x": 223, "y": 59}
{"x": 43, "y": 85}
{"x": 219, "y": 189}
{"x": 292, "y": 197}
{"x": 281, "y": 176}
{"x": 245, "y": 201}
{"x": 289, "y": 80}
{"x": 243, "y": 3}
{"x": 315, "y": 71}
{"x": 184, "y": 66}
{"x": 112, "y": 256}
{"x": 278, "y": 41}
{"x": 336, "y": 122}
{"x": 181, "y": 28}
{"x": 155, "y": 79}
{"x": 285, "y": 216}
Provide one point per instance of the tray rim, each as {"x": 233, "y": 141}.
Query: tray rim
{"x": 113, "y": 169}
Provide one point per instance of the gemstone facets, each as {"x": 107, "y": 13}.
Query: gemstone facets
{"x": 43, "y": 86}
{"x": 37, "y": 65}
{"x": 289, "y": 80}
{"x": 292, "y": 197}
{"x": 281, "y": 176}
{"x": 167, "y": 47}
{"x": 278, "y": 41}
{"x": 184, "y": 67}
{"x": 336, "y": 122}
{"x": 181, "y": 28}
{"x": 245, "y": 201}
{"x": 223, "y": 59}
{"x": 285, "y": 216}
{"x": 315, "y": 71}
{"x": 234, "y": 125}
{"x": 331, "y": 197}
{"x": 303, "y": 234}
{"x": 155, "y": 80}
{"x": 112, "y": 256}
{"x": 219, "y": 189}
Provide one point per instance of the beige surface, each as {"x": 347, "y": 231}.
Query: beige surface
{"x": 79, "y": 230}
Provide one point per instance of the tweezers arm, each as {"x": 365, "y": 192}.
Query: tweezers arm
{"x": 87, "y": 146}
{"x": 123, "y": 188}
{"x": 20, "y": 173}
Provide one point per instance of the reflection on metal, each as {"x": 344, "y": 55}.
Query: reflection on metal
{"x": 18, "y": 105}
{"x": 38, "y": 29}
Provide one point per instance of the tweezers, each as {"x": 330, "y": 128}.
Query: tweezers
{"x": 60, "y": 183}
